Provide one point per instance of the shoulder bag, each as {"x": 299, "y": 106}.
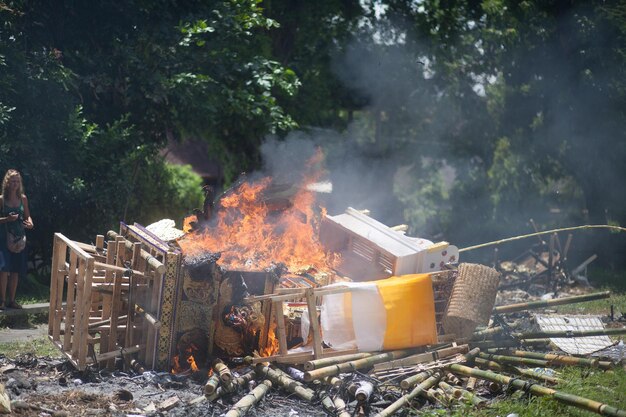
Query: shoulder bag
{"x": 15, "y": 244}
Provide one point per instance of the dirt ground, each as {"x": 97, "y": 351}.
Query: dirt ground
{"x": 52, "y": 387}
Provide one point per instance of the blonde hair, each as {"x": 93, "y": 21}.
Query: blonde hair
{"x": 5, "y": 183}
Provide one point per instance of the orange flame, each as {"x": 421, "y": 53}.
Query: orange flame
{"x": 190, "y": 361}
{"x": 272, "y": 346}
{"x": 250, "y": 235}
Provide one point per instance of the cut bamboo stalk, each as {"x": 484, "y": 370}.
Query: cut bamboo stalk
{"x": 212, "y": 384}
{"x": 333, "y": 381}
{"x": 284, "y": 381}
{"x": 564, "y": 229}
{"x": 540, "y": 390}
{"x": 452, "y": 391}
{"x": 534, "y": 359}
{"x": 512, "y": 308}
{"x": 515, "y": 370}
{"x": 471, "y": 384}
{"x": 364, "y": 391}
{"x": 488, "y": 344}
{"x": 494, "y": 388}
{"x": 340, "y": 406}
{"x": 568, "y": 333}
{"x": 406, "y": 399}
{"x": 244, "y": 404}
{"x": 222, "y": 371}
{"x": 354, "y": 365}
{"x": 557, "y": 359}
{"x": 514, "y": 359}
{"x": 422, "y": 357}
{"x": 413, "y": 380}
{"x": 476, "y": 400}
{"x": 293, "y": 358}
{"x": 236, "y": 383}
{"x": 324, "y": 362}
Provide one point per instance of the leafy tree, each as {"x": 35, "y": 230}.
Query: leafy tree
{"x": 91, "y": 92}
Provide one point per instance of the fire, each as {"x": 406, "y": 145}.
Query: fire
{"x": 272, "y": 346}
{"x": 251, "y": 235}
{"x": 190, "y": 361}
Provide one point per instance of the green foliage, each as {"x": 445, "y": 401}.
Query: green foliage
{"x": 91, "y": 92}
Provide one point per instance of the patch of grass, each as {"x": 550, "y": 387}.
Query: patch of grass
{"x": 604, "y": 387}
{"x": 39, "y": 347}
{"x": 598, "y": 307}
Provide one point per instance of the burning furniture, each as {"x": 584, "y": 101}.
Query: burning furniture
{"x": 372, "y": 250}
{"x": 224, "y": 287}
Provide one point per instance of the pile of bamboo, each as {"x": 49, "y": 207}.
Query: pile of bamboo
{"x": 384, "y": 383}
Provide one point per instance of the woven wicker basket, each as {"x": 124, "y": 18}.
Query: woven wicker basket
{"x": 472, "y": 300}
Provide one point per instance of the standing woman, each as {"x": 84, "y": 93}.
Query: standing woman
{"x": 14, "y": 218}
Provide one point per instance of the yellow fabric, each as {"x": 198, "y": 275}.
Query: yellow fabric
{"x": 410, "y": 306}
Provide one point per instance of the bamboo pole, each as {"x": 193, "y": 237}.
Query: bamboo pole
{"x": 512, "y": 308}
{"x": 487, "y": 344}
{"x": 354, "y": 365}
{"x": 245, "y": 403}
{"x": 406, "y": 399}
{"x": 559, "y": 359}
{"x": 540, "y": 390}
{"x": 418, "y": 358}
{"x": 564, "y": 229}
{"x": 324, "y": 362}
{"x": 571, "y": 333}
{"x": 514, "y": 359}
{"x": 495, "y": 366}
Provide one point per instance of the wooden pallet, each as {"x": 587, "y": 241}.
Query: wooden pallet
{"x": 92, "y": 295}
